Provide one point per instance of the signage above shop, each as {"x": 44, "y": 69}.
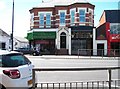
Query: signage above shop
{"x": 41, "y": 35}
{"x": 116, "y": 37}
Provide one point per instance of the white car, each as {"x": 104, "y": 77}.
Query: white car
{"x": 15, "y": 70}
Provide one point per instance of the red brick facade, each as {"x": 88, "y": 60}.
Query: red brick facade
{"x": 55, "y": 17}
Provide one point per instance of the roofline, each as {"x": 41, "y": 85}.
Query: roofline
{"x": 102, "y": 15}
{"x": 75, "y": 3}
{"x": 5, "y": 32}
{"x": 61, "y": 5}
{"x": 107, "y": 10}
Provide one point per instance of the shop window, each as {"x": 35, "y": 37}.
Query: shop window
{"x": 115, "y": 29}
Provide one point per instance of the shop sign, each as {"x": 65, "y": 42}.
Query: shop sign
{"x": 42, "y": 42}
{"x": 41, "y": 35}
{"x": 115, "y": 37}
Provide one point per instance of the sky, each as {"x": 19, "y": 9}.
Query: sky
{"x": 22, "y": 15}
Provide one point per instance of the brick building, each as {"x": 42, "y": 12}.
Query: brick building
{"x": 108, "y": 33}
{"x": 62, "y": 28}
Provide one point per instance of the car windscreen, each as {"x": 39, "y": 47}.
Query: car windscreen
{"x": 13, "y": 60}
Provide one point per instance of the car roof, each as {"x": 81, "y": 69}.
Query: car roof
{"x": 4, "y": 52}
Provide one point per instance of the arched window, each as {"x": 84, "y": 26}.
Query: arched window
{"x": 63, "y": 34}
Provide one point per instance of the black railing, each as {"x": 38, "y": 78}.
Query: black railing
{"x": 79, "y": 85}
{"x": 87, "y": 85}
{"x": 99, "y": 52}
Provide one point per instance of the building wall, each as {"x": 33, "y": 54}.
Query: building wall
{"x": 55, "y": 15}
{"x": 95, "y": 42}
{"x": 109, "y": 28}
{"x": 19, "y": 44}
{"x": 102, "y": 19}
{"x": 4, "y": 39}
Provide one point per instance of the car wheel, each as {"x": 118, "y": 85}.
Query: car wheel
{"x": 34, "y": 54}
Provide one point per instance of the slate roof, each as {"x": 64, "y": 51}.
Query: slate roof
{"x": 112, "y": 16}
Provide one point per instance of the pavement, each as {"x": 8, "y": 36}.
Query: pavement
{"x": 71, "y": 57}
{"x": 62, "y": 61}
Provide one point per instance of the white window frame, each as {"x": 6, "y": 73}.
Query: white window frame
{"x": 32, "y": 20}
{"x": 48, "y": 25}
{"x": 91, "y": 17}
{"x": 65, "y": 11}
{"x": 40, "y": 20}
{"x": 74, "y": 9}
{"x": 49, "y": 12}
{"x": 85, "y": 9}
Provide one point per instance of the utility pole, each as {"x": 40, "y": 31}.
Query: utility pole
{"x": 12, "y": 27}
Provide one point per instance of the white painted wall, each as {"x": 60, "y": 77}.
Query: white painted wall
{"x": 68, "y": 38}
{"x": 59, "y": 31}
{"x": 17, "y": 43}
{"x": 20, "y": 44}
{"x": 5, "y": 39}
{"x": 69, "y": 43}
{"x": 95, "y": 42}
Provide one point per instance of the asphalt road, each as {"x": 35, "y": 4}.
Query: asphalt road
{"x": 73, "y": 62}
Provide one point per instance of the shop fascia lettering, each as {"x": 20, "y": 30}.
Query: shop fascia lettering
{"x": 116, "y": 37}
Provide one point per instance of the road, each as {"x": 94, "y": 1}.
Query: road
{"x": 73, "y": 62}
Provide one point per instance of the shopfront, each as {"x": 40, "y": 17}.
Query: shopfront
{"x": 114, "y": 44}
{"x": 42, "y": 41}
{"x": 81, "y": 40}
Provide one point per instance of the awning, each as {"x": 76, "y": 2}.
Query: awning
{"x": 41, "y": 35}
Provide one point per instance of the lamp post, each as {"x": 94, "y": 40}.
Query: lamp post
{"x": 12, "y": 26}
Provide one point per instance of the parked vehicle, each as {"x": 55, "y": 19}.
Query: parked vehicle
{"x": 28, "y": 51}
{"x": 15, "y": 70}
{"x": 25, "y": 50}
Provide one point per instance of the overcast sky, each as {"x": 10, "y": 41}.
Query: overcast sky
{"x": 22, "y": 15}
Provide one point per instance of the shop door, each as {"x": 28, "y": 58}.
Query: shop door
{"x": 63, "y": 40}
{"x": 100, "y": 49}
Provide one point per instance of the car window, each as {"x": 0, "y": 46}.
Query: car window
{"x": 14, "y": 60}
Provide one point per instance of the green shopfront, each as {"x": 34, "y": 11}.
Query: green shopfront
{"x": 42, "y": 41}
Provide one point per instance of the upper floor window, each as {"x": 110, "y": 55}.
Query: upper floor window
{"x": 41, "y": 19}
{"x": 48, "y": 19}
{"x": 82, "y": 15}
{"x": 72, "y": 16}
{"x": 91, "y": 16}
{"x": 62, "y": 18}
{"x": 115, "y": 29}
{"x": 32, "y": 19}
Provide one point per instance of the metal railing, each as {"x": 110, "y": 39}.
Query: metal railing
{"x": 79, "y": 85}
{"x": 87, "y": 85}
{"x": 99, "y": 52}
